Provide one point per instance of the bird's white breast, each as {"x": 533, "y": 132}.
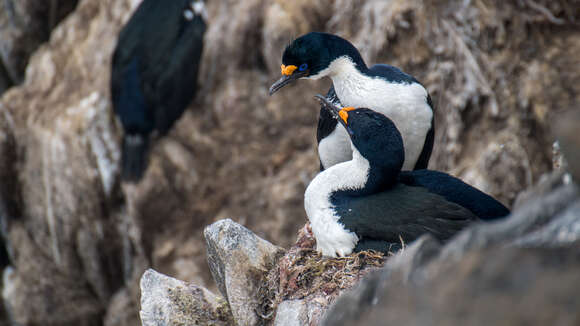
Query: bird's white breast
{"x": 405, "y": 104}
{"x": 332, "y": 238}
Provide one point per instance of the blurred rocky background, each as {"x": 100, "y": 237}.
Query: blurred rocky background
{"x": 78, "y": 241}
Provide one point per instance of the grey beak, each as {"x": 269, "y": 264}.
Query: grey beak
{"x": 285, "y": 80}
{"x": 333, "y": 109}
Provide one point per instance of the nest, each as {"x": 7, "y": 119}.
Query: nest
{"x": 303, "y": 273}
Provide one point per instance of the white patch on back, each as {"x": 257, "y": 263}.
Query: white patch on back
{"x": 405, "y": 104}
{"x": 332, "y": 238}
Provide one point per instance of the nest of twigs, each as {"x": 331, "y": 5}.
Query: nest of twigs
{"x": 303, "y": 273}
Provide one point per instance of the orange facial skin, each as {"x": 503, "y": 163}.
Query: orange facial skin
{"x": 344, "y": 114}
{"x": 288, "y": 70}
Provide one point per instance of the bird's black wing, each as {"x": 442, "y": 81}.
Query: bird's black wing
{"x": 326, "y": 122}
{"x": 392, "y": 74}
{"x": 456, "y": 191}
{"x": 403, "y": 211}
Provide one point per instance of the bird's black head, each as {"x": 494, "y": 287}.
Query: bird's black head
{"x": 374, "y": 135}
{"x": 310, "y": 55}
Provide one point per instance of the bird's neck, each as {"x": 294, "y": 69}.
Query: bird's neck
{"x": 356, "y": 177}
{"x": 350, "y": 175}
{"x": 350, "y": 80}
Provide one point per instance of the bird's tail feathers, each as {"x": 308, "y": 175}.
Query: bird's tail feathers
{"x": 134, "y": 157}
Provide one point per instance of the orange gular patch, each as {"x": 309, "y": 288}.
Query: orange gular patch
{"x": 288, "y": 70}
{"x": 344, "y": 113}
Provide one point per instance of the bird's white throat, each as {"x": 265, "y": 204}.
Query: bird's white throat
{"x": 332, "y": 238}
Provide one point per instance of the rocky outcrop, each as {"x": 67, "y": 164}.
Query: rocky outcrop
{"x": 499, "y": 72}
{"x": 260, "y": 283}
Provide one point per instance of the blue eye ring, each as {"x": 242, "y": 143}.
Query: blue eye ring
{"x": 303, "y": 67}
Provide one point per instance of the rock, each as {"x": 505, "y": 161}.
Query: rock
{"x": 352, "y": 305}
{"x": 166, "y": 301}
{"x": 564, "y": 229}
{"x": 239, "y": 261}
{"x": 291, "y": 313}
{"x": 530, "y": 217}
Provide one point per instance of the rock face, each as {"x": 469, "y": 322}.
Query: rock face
{"x": 499, "y": 72}
{"x": 24, "y": 25}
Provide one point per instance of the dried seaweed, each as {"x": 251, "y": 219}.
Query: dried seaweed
{"x": 303, "y": 273}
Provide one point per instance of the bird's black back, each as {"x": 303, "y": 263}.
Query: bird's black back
{"x": 401, "y": 211}
{"x": 453, "y": 189}
{"x": 392, "y": 74}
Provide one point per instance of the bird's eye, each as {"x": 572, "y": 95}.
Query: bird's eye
{"x": 303, "y": 67}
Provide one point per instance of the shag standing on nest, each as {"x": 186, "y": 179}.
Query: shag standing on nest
{"x": 154, "y": 74}
{"x": 382, "y": 88}
{"x": 368, "y": 203}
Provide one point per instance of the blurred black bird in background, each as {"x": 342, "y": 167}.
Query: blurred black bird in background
{"x": 154, "y": 74}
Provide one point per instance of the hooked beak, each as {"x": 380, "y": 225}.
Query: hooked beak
{"x": 334, "y": 110}
{"x": 287, "y": 79}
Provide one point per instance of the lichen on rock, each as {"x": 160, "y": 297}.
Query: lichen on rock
{"x": 167, "y": 301}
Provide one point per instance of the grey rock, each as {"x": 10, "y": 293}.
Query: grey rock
{"x": 528, "y": 218}
{"x": 563, "y": 230}
{"x": 291, "y": 313}
{"x": 166, "y": 301}
{"x": 239, "y": 261}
